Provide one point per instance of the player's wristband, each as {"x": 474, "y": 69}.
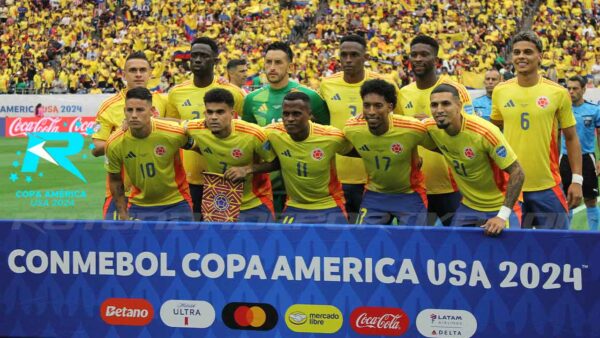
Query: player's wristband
{"x": 504, "y": 213}
{"x": 578, "y": 179}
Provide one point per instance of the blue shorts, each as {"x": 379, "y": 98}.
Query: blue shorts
{"x": 545, "y": 209}
{"x": 465, "y": 217}
{"x": 380, "y": 208}
{"x": 180, "y": 212}
{"x": 259, "y": 214}
{"x": 321, "y": 216}
{"x": 109, "y": 210}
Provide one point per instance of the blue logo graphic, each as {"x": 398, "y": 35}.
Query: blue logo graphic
{"x": 501, "y": 151}
{"x": 55, "y": 155}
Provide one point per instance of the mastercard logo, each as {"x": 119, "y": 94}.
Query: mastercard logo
{"x": 250, "y": 316}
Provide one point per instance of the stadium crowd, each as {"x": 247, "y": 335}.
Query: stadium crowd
{"x": 60, "y": 46}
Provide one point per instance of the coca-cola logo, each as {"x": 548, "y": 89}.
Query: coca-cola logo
{"x": 21, "y": 126}
{"x": 379, "y": 321}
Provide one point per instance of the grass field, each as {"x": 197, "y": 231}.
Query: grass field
{"x": 18, "y": 199}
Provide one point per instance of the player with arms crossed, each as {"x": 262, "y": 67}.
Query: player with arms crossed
{"x": 341, "y": 91}
{"x": 387, "y": 144}
{"x": 442, "y": 193}
{"x": 110, "y": 116}
{"x": 186, "y": 102}
{"x": 532, "y": 109}
{"x": 306, "y": 152}
{"x": 587, "y": 116}
{"x": 149, "y": 152}
{"x": 236, "y": 149}
{"x": 481, "y": 159}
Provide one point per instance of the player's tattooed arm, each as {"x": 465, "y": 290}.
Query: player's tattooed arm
{"x": 237, "y": 174}
{"x": 117, "y": 190}
{"x": 515, "y": 183}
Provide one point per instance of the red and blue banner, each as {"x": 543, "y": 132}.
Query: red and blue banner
{"x": 134, "y": 279}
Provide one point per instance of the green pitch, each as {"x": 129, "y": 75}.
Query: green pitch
{"x": 18, "y": 198}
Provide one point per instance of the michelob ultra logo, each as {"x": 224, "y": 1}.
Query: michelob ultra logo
{"x": 314, "y": 318}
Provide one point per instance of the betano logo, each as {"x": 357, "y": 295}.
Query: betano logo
{"x": 126, "y": 311}
{"x": 310, "y": 318}
{"x": 55, "y": 155}
{"x": 187, "y": 313}
{"x": 250, "y": 316}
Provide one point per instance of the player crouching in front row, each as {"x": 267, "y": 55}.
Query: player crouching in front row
{"x": 149, "y": 152}
{"x": 480, "y": 157}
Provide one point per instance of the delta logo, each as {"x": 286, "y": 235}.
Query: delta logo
{"x": 308, "y": 318}
{"x": 196, "y": 314}
{"x": 379, "y": 321}
{"x": 126, "y": 311}
{"x": 446, "y": 323}
{"x": 250, "y": 316}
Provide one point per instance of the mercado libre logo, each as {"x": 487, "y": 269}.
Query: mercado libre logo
{"x": 63, "y": 150}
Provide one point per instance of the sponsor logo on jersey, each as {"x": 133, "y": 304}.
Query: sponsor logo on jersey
{"x": 187, "y": 103}
{"x": 308, "y": 318}
{"x": 379, "y": 321}
{"x": 250, "y": 316}
{"x": 207, "y": 150}
{"x": 286, "y": 153}
{"x": 160, "y": 150}
{"x": 446, "y": 323}
{"x": 126, "y": 311}
{"x": 396, "y": 148}
{"x": 130, "y": 155}
{"x": 318, "y": 154}
{"x": 336, "y": 97}
{"x": 409, "y": 105}
{"x": 187, "y": 313}
{"x": 509, "y": 104}
{"x": 364, "y": 148}
{"x": 469, "y": 153}
{"x": 237, "y": 153}
{"x": 501, "y": 151}
{"x": 542, "y": 101}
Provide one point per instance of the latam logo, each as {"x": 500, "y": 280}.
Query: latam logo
{"x": 250, "y": 316}
{"x": 379, "y": 321}
{"x": 446, "y": 323}
{"x": 309, "y": 318}
{"x": 126, "y": 311}
{"x": 196, "y": 314}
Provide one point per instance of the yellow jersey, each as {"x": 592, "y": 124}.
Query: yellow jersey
{"x": 478, "y": 154}
{"x": 186, "y": 102}
{"x": 412, "y": 101}
{"x": 532, "y": 116}
{"x": 245, "y": 145}
{"x": 153, "y": 164}
{"x": 308, "y": 167}
{"x": 110, "y": 117}
{"x": 344, "y": 102}
{"x": 391, "y": 159}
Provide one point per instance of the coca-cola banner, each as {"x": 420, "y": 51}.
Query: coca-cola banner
{"x": 148, "y": 279}
{"x": 50, "y": 105}
{"x": 21, "y": 126}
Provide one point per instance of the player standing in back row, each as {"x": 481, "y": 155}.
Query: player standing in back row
{"x": 341, "y": 91}
{"x": 532, "y": 109}
{"x": 442, "y": 193}
{"x": 186, "y": 102}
